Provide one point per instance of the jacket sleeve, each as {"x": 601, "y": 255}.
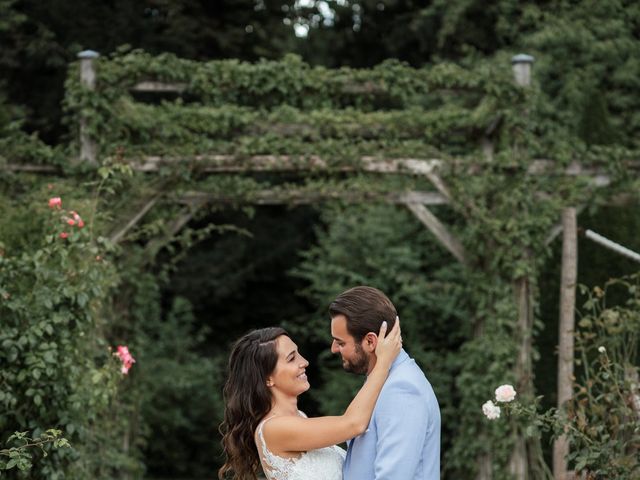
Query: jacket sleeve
{"x": 401, "y": 420}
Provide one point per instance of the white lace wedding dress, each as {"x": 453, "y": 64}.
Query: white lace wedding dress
{"x": 320, "y": 464}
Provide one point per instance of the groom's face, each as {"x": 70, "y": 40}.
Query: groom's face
{"x": 354, "y": 358}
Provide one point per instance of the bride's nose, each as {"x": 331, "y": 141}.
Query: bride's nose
{"x": 304, "y": 363}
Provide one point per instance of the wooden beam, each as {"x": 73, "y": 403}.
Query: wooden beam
{"x": 30, "y": 168}
{"x": 278, "y": 163}
{"x": 438, "y": 229}
{"x": 301, "y": 197}
{"x": 368, "y": 87}
{"x": 178, "y": 223}
{"x": 159, "y": 87}
{"x": 599, "y": 176}
{"x": 119, "y": 234}
{"x": 418, "y": 166}
{"x": 283, "y": 163}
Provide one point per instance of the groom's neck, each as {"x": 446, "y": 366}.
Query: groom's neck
{"x": 372, "y": 363}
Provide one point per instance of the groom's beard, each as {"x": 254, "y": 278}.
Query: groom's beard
{"x": 359, "y": 364}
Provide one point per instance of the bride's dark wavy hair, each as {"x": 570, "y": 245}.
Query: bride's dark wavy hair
{"x": 247, "y": 400}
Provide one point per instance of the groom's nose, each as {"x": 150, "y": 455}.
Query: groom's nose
{"x": 334, "y": 347}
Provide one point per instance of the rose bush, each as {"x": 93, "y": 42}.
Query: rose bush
{"x": 57, "y": 370}
{"x": 602, "y": 420}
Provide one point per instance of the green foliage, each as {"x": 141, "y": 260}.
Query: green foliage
{"x": 601, "y": 422}
{"x": 600, "y": 56}
{"x": 177, "y": 373}
{"x": 485, "y": 359}
{"x": 362, "y": 33}
{"x": 178, "y": 383}
{"x": 289, "y": 107}
{"x": 19, "y": 147}
{"x": 594, "y": 127}
{"x": 21, "y": 457}
{"x": 38, "y": 40}
{"x": 605, "y": 409}
{"x": 57, "y": 369}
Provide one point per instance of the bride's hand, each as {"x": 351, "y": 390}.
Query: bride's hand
{"x": 389, "y": 345}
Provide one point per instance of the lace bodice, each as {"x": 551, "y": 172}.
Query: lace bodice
{"x": 320, "y": 464}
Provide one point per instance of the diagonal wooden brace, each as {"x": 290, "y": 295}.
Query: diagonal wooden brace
{"x": 438, "y": 229}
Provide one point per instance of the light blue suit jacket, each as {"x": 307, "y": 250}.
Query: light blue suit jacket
{"x": 403, "y": 438}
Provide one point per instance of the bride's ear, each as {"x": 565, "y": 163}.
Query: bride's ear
{"x": 370, "y": 342}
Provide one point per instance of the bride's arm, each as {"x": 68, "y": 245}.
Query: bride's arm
{"x": 296, "y": 434}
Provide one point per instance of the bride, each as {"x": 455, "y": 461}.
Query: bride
{"x": 262, "y": 425}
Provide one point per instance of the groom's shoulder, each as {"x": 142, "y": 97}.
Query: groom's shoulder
{"x": 406, "y": 374}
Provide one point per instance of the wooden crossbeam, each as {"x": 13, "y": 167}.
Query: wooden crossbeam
{"x": 30, "y": 168}
{"x": 285, "y": 163}
{"x": 301, "y": 197}
{"x": 276, "y": 163}
{"x": 159, "y": 87}
{"x": 599, "y": 177}
{"x": 368, "y": 88}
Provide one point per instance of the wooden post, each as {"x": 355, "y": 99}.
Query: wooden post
{"x": 88, "y": 148}
{"x": 524, "y": 299}
{"x": 518, "y": 462}
{"x": 566, "y": 331}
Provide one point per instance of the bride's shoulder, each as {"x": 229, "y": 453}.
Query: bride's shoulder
{"x": 272, "y": 422}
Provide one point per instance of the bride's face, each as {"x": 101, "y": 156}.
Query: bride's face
{"x": 289, "y": 376}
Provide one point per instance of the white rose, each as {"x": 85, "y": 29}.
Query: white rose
{"x": 490, "y": 410}
{"x": 602, "y": 349}
{"x": 505, "y": 393}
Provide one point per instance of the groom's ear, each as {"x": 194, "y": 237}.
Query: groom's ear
{"x": 369, "y": 342}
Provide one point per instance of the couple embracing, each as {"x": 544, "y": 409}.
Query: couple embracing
{"x": 392, "y": 426}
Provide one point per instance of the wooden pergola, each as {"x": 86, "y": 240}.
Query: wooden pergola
{"x": 418, "y": 202}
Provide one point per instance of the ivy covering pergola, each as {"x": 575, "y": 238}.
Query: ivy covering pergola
{"x": 470, "y": 140}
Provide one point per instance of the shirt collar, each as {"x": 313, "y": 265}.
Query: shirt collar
{"x": 401, "y": 358}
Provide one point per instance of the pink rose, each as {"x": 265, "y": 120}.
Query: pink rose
{"x": 55, "y": 202}
{"x": 505, "y": 393}
{"x": 126, "y": 358}
{"x": 64, "y": 235}
{"x": 77, "y": 219}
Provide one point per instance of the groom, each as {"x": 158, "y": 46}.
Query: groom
{"x": 403, "y": 438}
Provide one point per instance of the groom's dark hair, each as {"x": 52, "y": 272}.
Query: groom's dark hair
{"x": 365, "y": 308}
